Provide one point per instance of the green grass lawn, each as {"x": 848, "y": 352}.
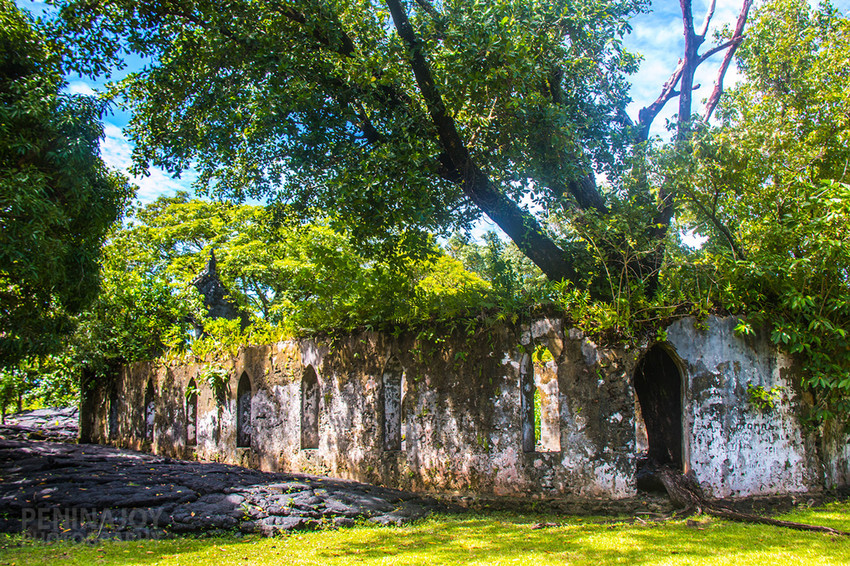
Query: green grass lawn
{"x": 492, "y": 539}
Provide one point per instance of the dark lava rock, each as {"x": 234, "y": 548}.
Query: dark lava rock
{"x": 78, "y": 492}
{"x": 61, "y": 424}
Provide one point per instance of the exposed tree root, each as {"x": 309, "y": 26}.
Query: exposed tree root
{"x": 686, "y": 493}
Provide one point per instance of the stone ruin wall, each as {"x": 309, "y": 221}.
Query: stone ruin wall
{"x": 456, "y": 414}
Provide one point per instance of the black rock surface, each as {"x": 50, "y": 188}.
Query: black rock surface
{"x": 63, "y": 490}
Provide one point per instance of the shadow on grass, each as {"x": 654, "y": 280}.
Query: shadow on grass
{"x": 495, "y": 539}
{"x": 489, "y": 542}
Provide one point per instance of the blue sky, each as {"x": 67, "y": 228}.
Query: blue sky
{"x": 656, "y": 35}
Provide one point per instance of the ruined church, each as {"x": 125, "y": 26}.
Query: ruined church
{"x": 485, "y": 414}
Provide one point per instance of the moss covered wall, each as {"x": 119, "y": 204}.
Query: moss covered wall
{"x": 465, "y": 409}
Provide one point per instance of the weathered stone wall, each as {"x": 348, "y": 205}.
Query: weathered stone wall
{"x": 736, "y": 447}
{"x": 455, "y": 414}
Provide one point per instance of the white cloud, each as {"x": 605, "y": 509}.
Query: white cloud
{"x": 80, "y": 87}
{"x": 693, "y": 239}
{"x": 115, "y": 149}
{"x": 159, "y": 183}
{"x": 117, "y": 153}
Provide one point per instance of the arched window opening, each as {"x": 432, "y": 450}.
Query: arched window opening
{"x": 540, "y": 402}
{"x": 309, "y": 409}
{"x": 658, "y": 387}
{"x": 192, "y": 413}
{"x": 243, "y": 412}
{"x": 113, "y": 413}
{"x": 150, "y": 411}
{"x": 538, "y": 417}
{"x": 393, "y": 388}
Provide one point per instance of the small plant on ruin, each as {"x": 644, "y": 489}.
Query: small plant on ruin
{"x": 763, "y": 399}
{"x": 191, "y": 389}
{"x": 217, "y": 378}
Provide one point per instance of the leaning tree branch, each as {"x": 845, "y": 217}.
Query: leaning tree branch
{"x": 521, "y": 226}
{"x": 737, "y": 38}
{"x": 737, "y": 251}
{"x": 582, "y": 186}
{"x": 429, "y": 8}
{"x": 708, "y": 15}
{"x": 648, "y": 114}
{"x": 716, "y": 49}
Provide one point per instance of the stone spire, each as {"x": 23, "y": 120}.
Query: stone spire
{"x": 216, "y": 296}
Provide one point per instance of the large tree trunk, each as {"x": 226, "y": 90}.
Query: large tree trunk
{"x": 87, "y": 407}
{"x": 520, "y": 225}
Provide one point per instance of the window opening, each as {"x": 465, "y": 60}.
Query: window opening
{"x": 243, "y": 412}
{"x": 309, "y": 409}
{"x": 393, "y": 389}
{"x": 150, "y": 411}
{"x": 192, "y": 413}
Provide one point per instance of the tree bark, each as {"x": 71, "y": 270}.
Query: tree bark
{"x": 686, "y": 493}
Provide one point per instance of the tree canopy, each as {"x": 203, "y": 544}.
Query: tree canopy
{"x": 372, "y": 127}
{"x": 57, "y": 199}
{"x": 769, "y": 187}
{"x": 290, "y": 279}
{"x": 394, "y": 120}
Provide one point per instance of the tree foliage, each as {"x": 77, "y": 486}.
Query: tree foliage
{"x": 37, "y": 381}
{"x": 392, "y": 122}
{"x": 769, "y": 188}
{"x": 57, "y": 199}
{"x": 291, "y": 278}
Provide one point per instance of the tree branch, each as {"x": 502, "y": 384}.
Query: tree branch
{"x": 648, "y": 114}
{"x": 724, "y": 231}
{"x": 690, "y": 61}
{"x": 517, "y": 223}
{"x": 692, "y": 42}
{"x": 429, "y": 8}
{"x": 736, "y": 40}
{"x": 716, "y": 49}
{"x": 346, "y": 49}
{"x": 708, "y": 15}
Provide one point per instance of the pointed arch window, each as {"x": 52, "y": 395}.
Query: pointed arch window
{"x": 243, "y": 412}
{"x": 150, "y": 411}
{"x": 393, "y": 397}
{"x": 310, "y": 395}
{"x": 192, "y": 413}
{"x": 540, "y": 402}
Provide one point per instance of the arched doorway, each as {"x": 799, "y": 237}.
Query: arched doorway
{"x": 658, "y": 386}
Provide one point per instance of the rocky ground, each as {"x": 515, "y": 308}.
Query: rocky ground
{"x": 42, "y": 424}
{"x": 55, "y": 490}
